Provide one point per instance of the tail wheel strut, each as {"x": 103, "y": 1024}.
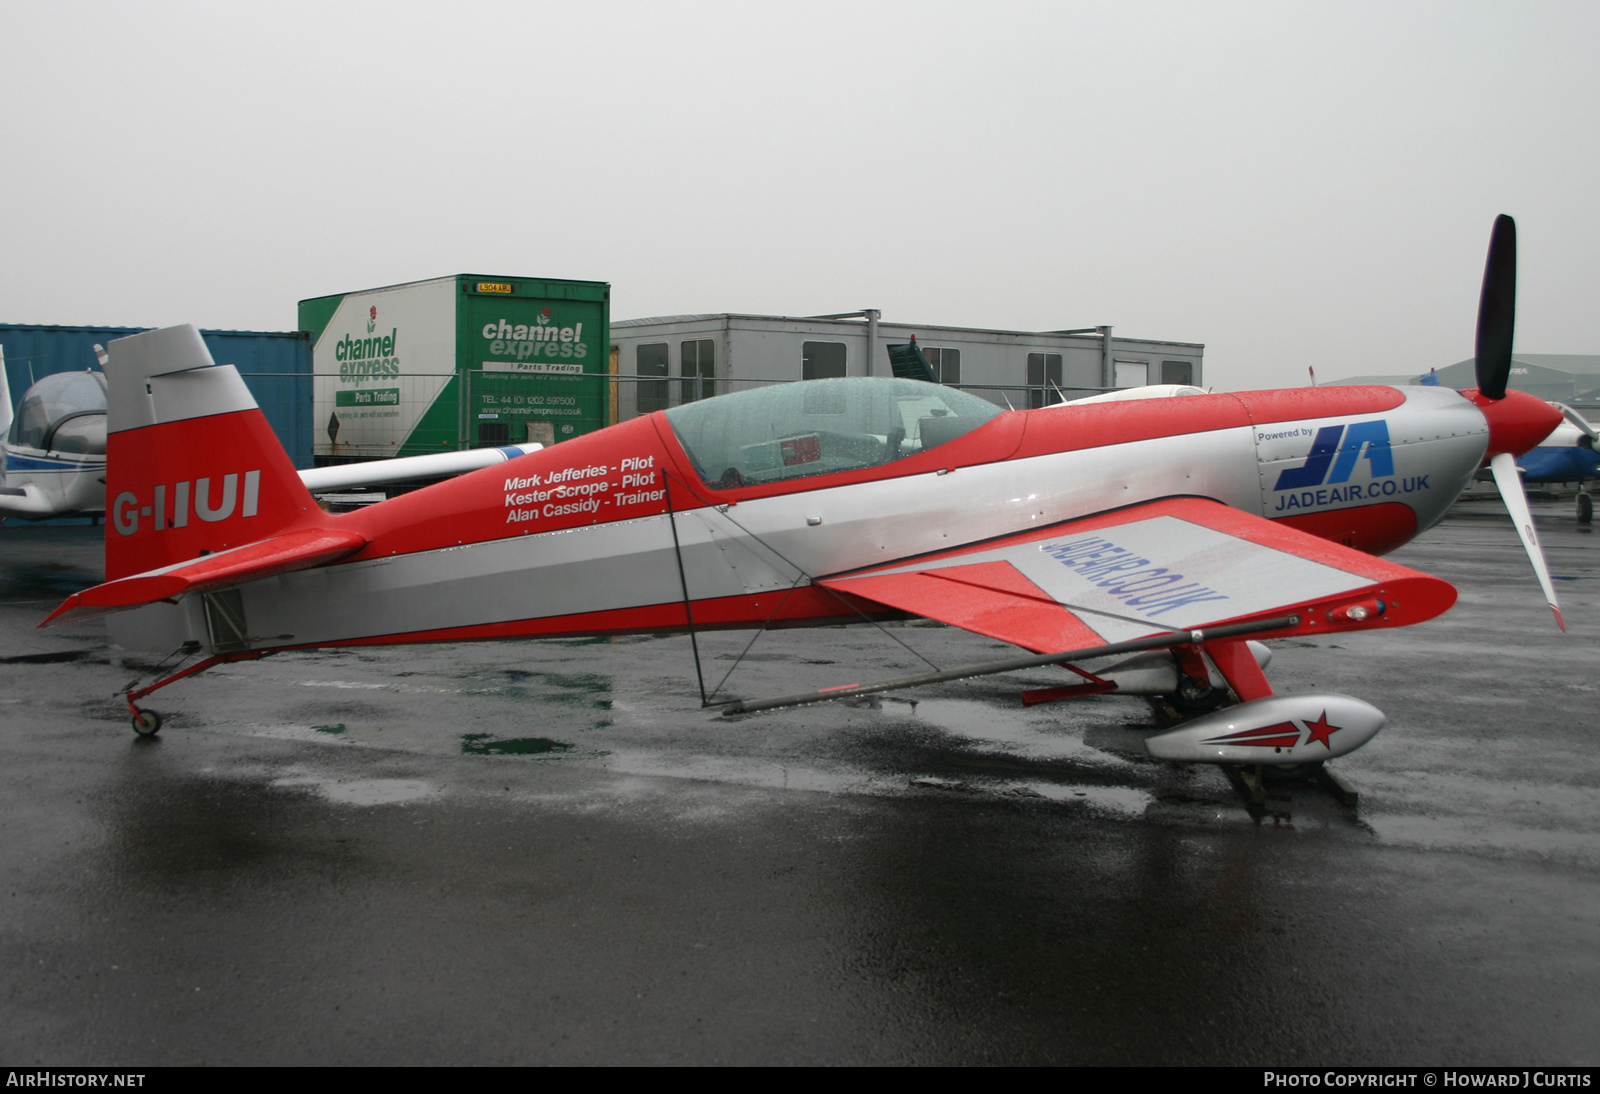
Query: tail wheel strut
{"x": 147, "y": 723}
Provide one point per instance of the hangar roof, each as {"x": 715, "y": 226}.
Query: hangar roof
{"x": 1565, "y": 377}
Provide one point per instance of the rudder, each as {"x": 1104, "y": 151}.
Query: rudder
{"x": 192, "y": 466}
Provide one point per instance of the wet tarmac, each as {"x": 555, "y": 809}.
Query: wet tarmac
{"x": 547, "y": 852}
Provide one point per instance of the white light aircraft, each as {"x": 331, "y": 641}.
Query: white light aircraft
{"x": 55, "y": 452}
{"x": 54, "y": 446}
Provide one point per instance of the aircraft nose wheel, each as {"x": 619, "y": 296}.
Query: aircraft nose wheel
{"x": 147, "y": 723}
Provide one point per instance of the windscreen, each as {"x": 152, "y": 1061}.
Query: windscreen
{"x": 816, "y": 427}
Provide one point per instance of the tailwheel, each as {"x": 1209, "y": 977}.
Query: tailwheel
{"x": 147, "y": 723}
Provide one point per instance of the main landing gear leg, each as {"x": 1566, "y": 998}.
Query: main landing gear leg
{"x": 1248, "y": 781}
{"x": 1239, "y": 667}
{"x": 1195, "y": 695}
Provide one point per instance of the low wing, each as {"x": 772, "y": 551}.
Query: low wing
{"x": 266, "y": 558}
{"x": 1175, "y": 564}
{"x": 409, "y": 468}
{"x": 26, "y": 500}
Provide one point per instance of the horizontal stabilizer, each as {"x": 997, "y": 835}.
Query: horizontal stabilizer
{"x": 266, "y": 558}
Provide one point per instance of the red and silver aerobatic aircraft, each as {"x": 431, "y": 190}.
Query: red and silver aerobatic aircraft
{"x": 1148, "y": 539}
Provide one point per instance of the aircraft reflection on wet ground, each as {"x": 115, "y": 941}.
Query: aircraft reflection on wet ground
{"x": 546, "y": 852}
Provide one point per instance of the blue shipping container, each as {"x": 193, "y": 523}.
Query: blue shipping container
{"x": 276, "y": 366}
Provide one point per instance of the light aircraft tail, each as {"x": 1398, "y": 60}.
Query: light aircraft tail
{"x": 192, "y": 466}
{"x": 199, "y": 492}
{"x": 5, "y": 395}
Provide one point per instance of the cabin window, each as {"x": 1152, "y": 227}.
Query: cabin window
{"x": 83, "y": 433}
{"x": 946, "y": 364}
{"x": 698, "y": 366}
{"x": 822, "y": 361}
{"x": 651, "y": 360}
{"x": 791, "y": 431}
{"x": 1044, "y": 379}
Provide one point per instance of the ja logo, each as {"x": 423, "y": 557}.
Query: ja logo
{"x": 1346, "y": 442}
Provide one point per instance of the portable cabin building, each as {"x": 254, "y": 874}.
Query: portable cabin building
{"x": 673, "y": 359}
{"x": 457, "y": 362}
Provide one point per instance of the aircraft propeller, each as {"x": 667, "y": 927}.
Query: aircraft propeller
{"x": 1517, "y": 421}
{"x": 1497, "y": 310}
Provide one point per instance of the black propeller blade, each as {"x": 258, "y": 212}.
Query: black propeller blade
{"x": 1497, "y": 310}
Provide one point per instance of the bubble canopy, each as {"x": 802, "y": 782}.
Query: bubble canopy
{"x": 64, "y": 412}
{"x": 817, "y": 427}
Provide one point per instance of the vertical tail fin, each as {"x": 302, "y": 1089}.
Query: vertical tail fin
{"x": 5, "y": 395}
{"x": 192, "y": 465}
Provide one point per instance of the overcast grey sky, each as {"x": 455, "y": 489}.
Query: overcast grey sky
{"x": 1291, "y": 184}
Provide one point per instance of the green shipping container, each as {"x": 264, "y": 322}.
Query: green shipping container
{"x": 457, "y": 362}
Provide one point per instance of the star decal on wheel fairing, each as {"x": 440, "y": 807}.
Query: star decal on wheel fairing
{"x": 1320, "y": 730}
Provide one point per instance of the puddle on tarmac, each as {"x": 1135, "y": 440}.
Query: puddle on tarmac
{"x": 1127, "y": 800}
{"x": 581, "y": 688}
{"x": 745, "y": 771}
{"x": 361, "y": 791}
{"x": 487, "y": 744}
{"x": 357, "y": 685}
{"x": 1029, "y": 734}
{"x": 54, "y": 658}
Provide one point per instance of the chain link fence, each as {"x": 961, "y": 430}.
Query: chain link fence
{"x": 323, "y": 419}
